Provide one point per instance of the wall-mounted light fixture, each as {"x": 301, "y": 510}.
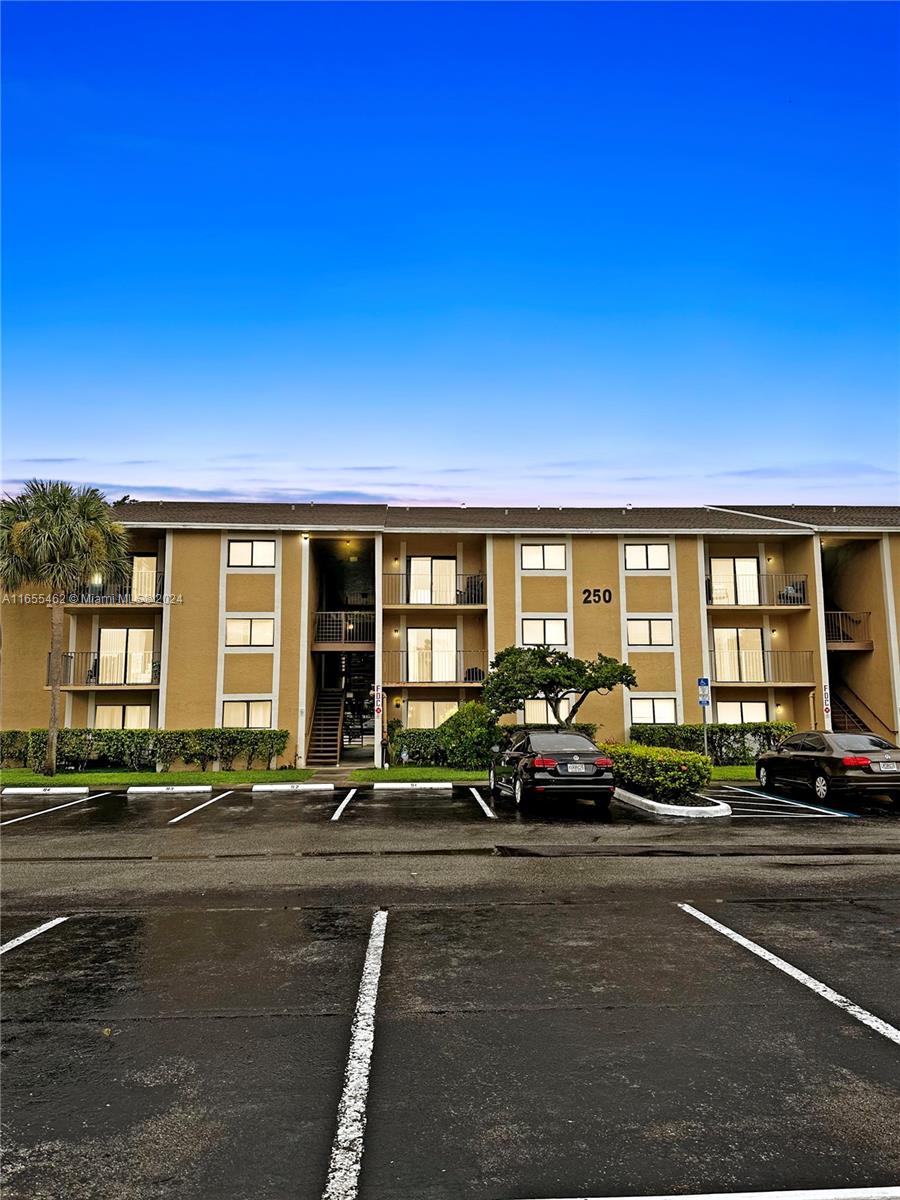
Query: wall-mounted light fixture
{"x": 305, "y": 537}
{"x": 396, "y": 633}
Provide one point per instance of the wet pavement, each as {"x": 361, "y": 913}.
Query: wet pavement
{"x": 545, "y": 1026}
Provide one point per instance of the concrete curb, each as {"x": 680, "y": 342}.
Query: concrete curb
{"x": 717, "y": 809}
{"x": 45, "y": 791}
{"x": 293, "y": 787}
{"x": 171, "y": 789}
{"x": 410, "y": 786}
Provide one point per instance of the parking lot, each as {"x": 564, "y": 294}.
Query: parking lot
{"x": 553, "y": 1003}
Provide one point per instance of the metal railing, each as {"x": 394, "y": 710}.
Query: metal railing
{"x": 401, "y": 588}
{"x": 434, "y": 666}
{"x": 345, "y": 627}
{"x": 847, "y": 627}
{"x": 145, "y": 588}
{"x": 89, "y": 668}
{"x": 763, "y": 666}
{"x": 780, "y": 588}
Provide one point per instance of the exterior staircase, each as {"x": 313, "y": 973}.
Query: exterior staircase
{"x": 327, "y": 729}
{"x": 844, "y": 719}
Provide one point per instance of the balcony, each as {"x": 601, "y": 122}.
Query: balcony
{"x": 336, "y": 630}
{"x": 435, "y": 667}
{"x": 779, "y": 590}
{"x": 399, "y": 588}
{"x": 144, "y": 588}
{"x": 90, "y": 669}
{"x": 763, "y": 667}
{"x": 848, "y": 631}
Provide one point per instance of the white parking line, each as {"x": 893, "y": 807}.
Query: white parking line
{"x": 829, "y": 812}
{"x": 56, "y": 807}
{"x": 865, "y": 1193}
{"x": 347, "y": 1151}
{"x": 821, "y": 989}
{"x": 32, "y": 933}
{"x": 487, "y": 811}
{"x": 175, "y": 820}
{"x": 336, "y": 815}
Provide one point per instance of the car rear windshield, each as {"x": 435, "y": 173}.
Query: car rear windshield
{"x": 562, "y": 742}
{"x": 862, "y": 741}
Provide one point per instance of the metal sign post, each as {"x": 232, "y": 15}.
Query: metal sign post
{"x": 703, "y": 699}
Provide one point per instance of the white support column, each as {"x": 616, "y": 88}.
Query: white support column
{"x": 304, "y": 648}
{"x": 489, "y": 597}
{"x": 166, "y": 627}
{"x": 380, "y": 717}
{"x": 820, "y": 619}
{"x": 890, "y": 612}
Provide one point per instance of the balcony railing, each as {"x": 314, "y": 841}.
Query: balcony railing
{"x": 88, "y": 668}
{"x": 143, "y": 588}
{"x": 847, "y": 628}
{"x": 434, "y": 666}
{"x": 400, "y": 588}
{"x": 753, "y": 590}
{"x": 763, "y": 666}
{"x": 345, "y": 627}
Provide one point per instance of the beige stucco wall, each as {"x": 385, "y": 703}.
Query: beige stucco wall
{"x": 194, "y": 630}
{"x": 250, "y": 592}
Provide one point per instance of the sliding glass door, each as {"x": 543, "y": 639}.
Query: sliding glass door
{"x": 431, "y": 655}
{"x": 739, "y": 655}
{"x": 126, "y": 656}
{"x": 734, "y": 580}
{"x": 432, "y": 581}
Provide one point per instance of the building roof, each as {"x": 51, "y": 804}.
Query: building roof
{"x": 382, "y": 517}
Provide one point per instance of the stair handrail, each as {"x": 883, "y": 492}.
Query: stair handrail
{"x": 845, "y": 687}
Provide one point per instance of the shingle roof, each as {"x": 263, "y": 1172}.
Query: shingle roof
{"x": 317, "y": 517}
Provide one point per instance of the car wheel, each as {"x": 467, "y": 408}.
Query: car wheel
{"x": 492, "y": 783}
{"x": 821, "y": 786}
{"x": 766, "y": 779}
{"x": 519, "y": 793}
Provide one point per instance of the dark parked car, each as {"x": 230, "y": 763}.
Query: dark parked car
{"x": 531, "y": 764}
{"x": 832, "y": 762}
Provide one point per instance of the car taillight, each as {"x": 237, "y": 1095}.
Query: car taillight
{"x": 856, "y": 760}
{"x": 603, "y": 762}
{"x": 544, "y": 762}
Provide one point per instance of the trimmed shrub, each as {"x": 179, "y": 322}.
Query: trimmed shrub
{"x": 658, "y": 773}
{"x": 14, "y": 747}
{"x": 423, "y": 747}
{"x": 467, "y": 736}
{"x": 143, "y": 749}
{"x": 167, "y": 745}
{"x": 729, "y": 745}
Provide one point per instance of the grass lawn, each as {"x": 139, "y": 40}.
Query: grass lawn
{"x": 18, "y": 777}
{"x": 734, "y": 774}
{"x": 417, "y": 775}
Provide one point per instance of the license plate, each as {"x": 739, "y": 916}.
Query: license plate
{"x": 889, "y": 766}
{"x": 576, "y": 768}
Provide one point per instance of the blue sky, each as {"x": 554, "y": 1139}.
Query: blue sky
{"x": 540, "y": 253}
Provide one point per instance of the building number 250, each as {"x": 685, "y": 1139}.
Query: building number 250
{"x": 596, "y": 596}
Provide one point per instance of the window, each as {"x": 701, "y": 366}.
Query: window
{"x": 544, "y": 631}
{"x": 143, "y": 579}
{"x": 538, "y": 712}
{"x": 733, "y": 581}
{"x": 650, "y": 557}
{"x": 247, "y": 714}
{"x": 652, "y": 711}
{"x": 124, "y": 656}
{"x": 429, "y": 714}
{"x": 739, "y": 655}
{"x": 649, "y": 632}
{"x": 122, "y": 716}
{"x": 249, "y": 631}
{"x": 738, "y": 712}
{"x": 432, "y": 581}
{"x": 251, "y": 554}
{"x": 860, "y": 743}
{"x": 545, "y": 743}
{"x": 546, "y": 557}
{"x": 431, "y": 655}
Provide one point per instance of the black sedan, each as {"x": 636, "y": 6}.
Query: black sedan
{"x": 533, "y": 764}
{"x": 832, "y": 762}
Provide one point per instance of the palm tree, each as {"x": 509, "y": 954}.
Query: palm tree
{"x": 56, "y": 536}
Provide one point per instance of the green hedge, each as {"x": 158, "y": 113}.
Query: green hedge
{"x": 729, "y": 745}
{"x": 658, "y": 773}
{"x": 464, "y": 740}
{"x": 146, "y": 749}
{"x": 14, "y": 747}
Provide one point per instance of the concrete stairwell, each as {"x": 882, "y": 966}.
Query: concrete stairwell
{"x": 325, "y": 736}
{"x": 844, "y": 719}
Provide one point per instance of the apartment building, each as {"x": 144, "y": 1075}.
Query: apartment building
{"x": 332, "y": 620}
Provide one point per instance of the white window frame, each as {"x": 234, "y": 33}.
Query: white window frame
{"x": 650, "y": 620}
{"x": 653, "y": 700}
{"x": 246, "y": 703}
{"x": 564, "y": 621}
{"x": 252, "y": 543}
{"x": 122, "y": 712}
{"x": 548, "y": 718}
{"x": 646, "y": 569}
{"x": 252, "y": 621}
{"x": 740, "y": 703}
{"x": 543, "y": 568}
{"x": 431, "y": 704}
